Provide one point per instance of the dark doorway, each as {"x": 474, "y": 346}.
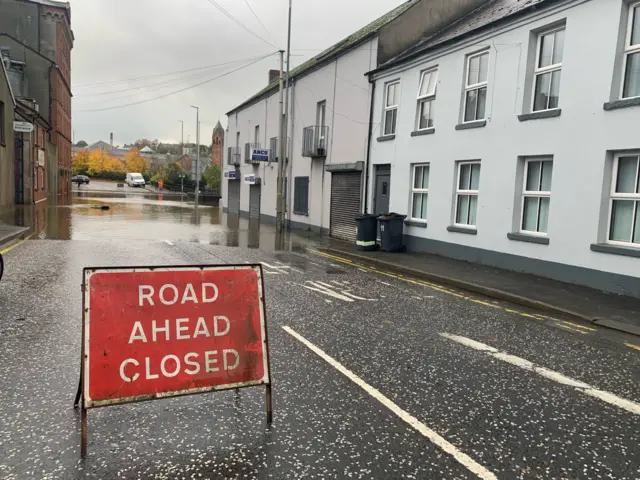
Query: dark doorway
{"x": 383, "y": 187}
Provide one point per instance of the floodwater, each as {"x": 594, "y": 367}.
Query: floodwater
{"x": 120, "y": 216}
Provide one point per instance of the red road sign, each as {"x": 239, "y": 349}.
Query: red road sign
{"x": 160, "y": 332}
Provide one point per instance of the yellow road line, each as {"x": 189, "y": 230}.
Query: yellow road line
{"x": 574, "y": 327}
{"x": 11, "y": 247}
{"x": 568, "y": 327}
{"x": 631, "y": 345}
{"x": 577, "y": 325}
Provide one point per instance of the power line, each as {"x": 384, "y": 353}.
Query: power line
{"x": 258, "y": 19}
{"x": 177, "y": 91}
{"x": 164, "y": 83}
{"x": 239, "y": 23}
{"x": 149, "y": 88}
{"x": 161, "y": 74}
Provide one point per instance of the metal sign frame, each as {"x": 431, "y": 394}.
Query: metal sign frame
{"x": 260, "y": 154}
{"x": 83, "y": 385}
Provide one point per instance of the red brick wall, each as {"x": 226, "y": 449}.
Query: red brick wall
{"x": 217, "y": 148}
{"x": 61, "y": 98}
{"x": 39, "y": 173}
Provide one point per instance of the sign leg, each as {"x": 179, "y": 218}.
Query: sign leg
{"x": 269, "y": 405}
{"x": 76, "y": 402}
{"x": 83, "y": 440}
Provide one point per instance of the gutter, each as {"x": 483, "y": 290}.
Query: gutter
{"x": 370, "y": 134}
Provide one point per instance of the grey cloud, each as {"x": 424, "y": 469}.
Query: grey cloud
{"x": 122, "y": 39}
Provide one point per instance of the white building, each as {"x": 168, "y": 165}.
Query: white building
{"x": 511, "y": 138}
{"x": 329, "y": 118}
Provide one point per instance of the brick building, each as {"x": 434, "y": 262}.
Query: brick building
{"x": 59, "y": 14}
{"x": 38, "y": 33}
{"x": 217, "y": 145}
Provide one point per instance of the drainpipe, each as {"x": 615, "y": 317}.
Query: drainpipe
{"x": 369, "y": 140}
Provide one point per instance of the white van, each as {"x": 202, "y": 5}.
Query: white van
{"x": 135, "y": 180}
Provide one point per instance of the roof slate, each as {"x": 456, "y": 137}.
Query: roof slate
{"x": 483, "y": 16}
{"x": 333, "y": 51}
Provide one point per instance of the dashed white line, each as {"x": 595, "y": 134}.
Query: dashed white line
{"x": 462, "y": 458}
{"x": 585, "y": 388}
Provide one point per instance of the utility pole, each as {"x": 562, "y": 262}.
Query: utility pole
{"x": 197, "y": 153}
{"x": 286, "y": 111}
{"x": 281, "y": 154}
{"x": 182, "y": 138}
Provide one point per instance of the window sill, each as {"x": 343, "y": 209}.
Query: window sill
{"x": 415, "y": 223}
{"x": 302, "y": 214}
{"x": 467, "y": 230}
{"x": 624, "y": 103}
{"x": 474, "y": 124}
{"x": 615, "y": 249}
{"x": 426, "y": 131}
{"x": 386, "y": 138}
{"x": 525, "y": 237}
{"x": 555, "y": 112}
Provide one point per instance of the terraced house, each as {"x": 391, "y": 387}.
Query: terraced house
{"x": 510, "y": 138}
{"x": 329, "y": 118}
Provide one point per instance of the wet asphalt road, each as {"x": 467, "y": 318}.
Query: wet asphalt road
{"x": 512, "y": 419}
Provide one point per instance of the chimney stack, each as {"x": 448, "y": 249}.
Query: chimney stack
{"x": 111, "y": 140}
{"x": 273, "y": 76}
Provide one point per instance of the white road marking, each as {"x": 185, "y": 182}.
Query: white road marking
{"x": 349, "y": 294}
{"x": 585, "y": 388}
{"x": 327, "y": 291}
{"x": 168, "y": 242}
{"x": 462, "y": 458}
{"x": 324, "y": 284}
{"x": 384, "y": 283}
{"x": 275, "y": 269}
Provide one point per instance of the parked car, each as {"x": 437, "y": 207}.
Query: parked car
{"x": 80, "y": 179}
{"x": 135, "y": 180}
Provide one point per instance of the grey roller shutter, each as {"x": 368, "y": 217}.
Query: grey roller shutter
{"x": 234, "y": 196}
{"x": 254, "y": 201}
{"x": 345, "y": 204}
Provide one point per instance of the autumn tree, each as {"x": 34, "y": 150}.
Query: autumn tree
{"x": 80, "y": 162}
{"x": 135, "y": 163}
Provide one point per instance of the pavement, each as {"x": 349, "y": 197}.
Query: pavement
{"x": 10, "y": 233}
{"x": 614, "y": 311}
{"x": 376, "y": 374}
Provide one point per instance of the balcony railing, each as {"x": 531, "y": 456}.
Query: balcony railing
{"x": 274, "y": 147}
{"x": 315, "y": 141}
{"x": 247, "y": 152}
{"x": 234, "y": 156}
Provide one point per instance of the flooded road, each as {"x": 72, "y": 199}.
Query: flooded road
{"x": 141, "y": 215}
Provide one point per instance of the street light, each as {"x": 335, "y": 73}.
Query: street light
{"x": 182, "y": 138}
{"x": 197, "y": 152}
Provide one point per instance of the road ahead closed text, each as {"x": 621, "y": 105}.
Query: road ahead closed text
{"x": 173, "y": 331}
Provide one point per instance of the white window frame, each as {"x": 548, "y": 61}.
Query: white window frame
{"x": 628, "y": 48}
{"x": 414, "y": 190}
{"x": 622, "y": 196}
{"x": 428, "y": 97}
{"x": 539, "y": 71}
{"x": 533, "y": 194}
{"x": 475, "y": 86}
{"x": 388, "y": 108}
{"x": 468, "y": 193}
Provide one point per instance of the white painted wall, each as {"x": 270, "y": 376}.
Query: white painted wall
{"x": 345, "y": 88}
{"x": 578, "y": 140}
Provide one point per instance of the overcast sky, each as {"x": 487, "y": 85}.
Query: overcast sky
{"x": 117, "y": 40}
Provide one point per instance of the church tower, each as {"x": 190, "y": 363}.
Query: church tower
{"x": 217, "y": 145}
